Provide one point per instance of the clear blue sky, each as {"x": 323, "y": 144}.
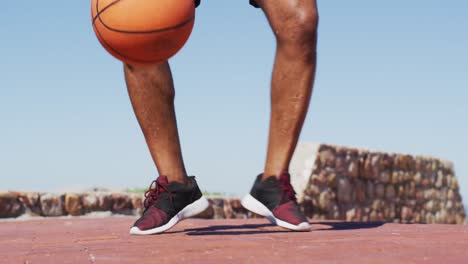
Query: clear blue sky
{"x": 392, "y": 75}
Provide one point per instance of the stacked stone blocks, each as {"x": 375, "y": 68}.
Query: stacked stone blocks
{"x": 14, "y": 204}
{"x": 360, "y": 185}
{"x": 340, "y": 184}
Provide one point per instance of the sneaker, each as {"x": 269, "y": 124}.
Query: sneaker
{"x": 276, "y": 200}
{"x": 168, "y": 203}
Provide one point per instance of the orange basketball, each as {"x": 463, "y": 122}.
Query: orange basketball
{"x": 142, "y": 31}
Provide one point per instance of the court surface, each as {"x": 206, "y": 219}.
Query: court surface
{"x": 106, "y": 240}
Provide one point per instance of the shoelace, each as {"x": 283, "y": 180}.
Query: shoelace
{"x": 160, "y": 186}
{"x": 287, "y": 191}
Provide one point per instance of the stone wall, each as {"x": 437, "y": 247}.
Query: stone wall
{"x": 332, "y": 182}
{"x": 360, "y": 185}
{"x": 14, "y": 204}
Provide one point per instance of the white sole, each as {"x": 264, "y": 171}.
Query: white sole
{"x": 190, "y": 210}
{"x": 253, "y": 205}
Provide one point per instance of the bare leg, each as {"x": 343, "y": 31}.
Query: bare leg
{"x": 294, "y": 23}
{"x": 151, "y": 91}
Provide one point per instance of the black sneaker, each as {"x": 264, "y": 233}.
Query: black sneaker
{"x": 168, "y": 203}
{"x": 276, "y": 200}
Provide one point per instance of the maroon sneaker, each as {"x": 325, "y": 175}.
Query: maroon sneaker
{"x": 276, "y": 200}
{"x": 168, "y": 203}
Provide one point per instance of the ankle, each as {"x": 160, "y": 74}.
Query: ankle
{"x": 276, "y": 173}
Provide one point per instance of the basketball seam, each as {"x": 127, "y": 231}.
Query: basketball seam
{"x": 118, "y": 52}
{"x": 104, "y": 9}
{"x": 98, "y": 16}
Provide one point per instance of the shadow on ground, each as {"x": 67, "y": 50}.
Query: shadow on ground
{"x": 252, "y": 229}
{"x": 348, "y": 225}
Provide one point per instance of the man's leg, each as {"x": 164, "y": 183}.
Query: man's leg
{"x": 294, "y": 23}
{"x": 151, "y": 91}
{"x": 174, "y": 196}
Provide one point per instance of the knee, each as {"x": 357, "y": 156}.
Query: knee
{"x": 299, "y": 28}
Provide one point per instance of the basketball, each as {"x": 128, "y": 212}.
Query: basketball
{"x": 142, "y": 32}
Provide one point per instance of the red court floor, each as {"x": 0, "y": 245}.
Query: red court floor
{"x": 106, "y": 240}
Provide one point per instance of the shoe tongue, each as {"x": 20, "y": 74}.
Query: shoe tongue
{"x": 163, "y": 180}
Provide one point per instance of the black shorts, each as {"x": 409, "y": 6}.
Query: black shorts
{"x": 252, "y": 2}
